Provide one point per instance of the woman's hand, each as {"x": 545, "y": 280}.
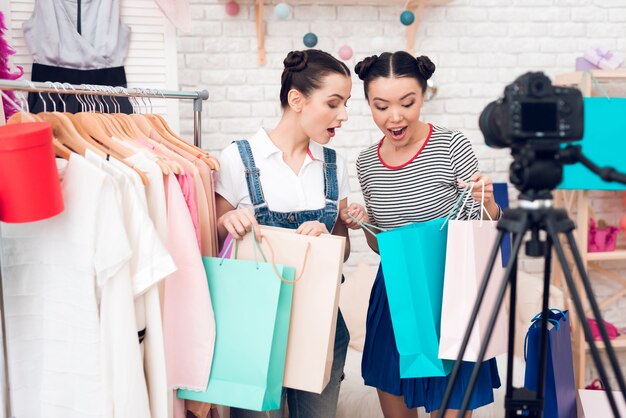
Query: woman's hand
{"x": 313, "y": 228}
{"x": 479, "y": 180}
{"x": 357, "y": 212}
{"x": 238, "y": 222}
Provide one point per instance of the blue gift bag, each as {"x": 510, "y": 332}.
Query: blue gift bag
{"x": 603, "y": 142}
{"x": 413, "y": 259}
{"x": 501, "y": 196}
{"x": 560, "y": 388}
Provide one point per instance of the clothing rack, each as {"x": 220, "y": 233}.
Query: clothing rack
{"x": 65, "y": 88}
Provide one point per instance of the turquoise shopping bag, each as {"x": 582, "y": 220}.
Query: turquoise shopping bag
{"x": 413, "y": 258}
{"x": 603, "y": 143}
{"x": 252, "y": 307}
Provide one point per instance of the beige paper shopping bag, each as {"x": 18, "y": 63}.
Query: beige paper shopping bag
{"x": 319, "y": 263}
{"x": 467, "y": 253}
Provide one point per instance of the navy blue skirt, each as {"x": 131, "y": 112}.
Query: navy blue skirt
{"x": 381, "y": 364}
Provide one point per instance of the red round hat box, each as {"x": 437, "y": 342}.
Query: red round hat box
{"x": 30, "y": 189}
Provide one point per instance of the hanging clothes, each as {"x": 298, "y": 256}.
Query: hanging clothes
{"x": 54, "y": 271}
{"x": 77, "y": 42}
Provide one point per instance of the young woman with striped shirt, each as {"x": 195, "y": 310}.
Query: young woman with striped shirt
{"x": 415, "y": 173}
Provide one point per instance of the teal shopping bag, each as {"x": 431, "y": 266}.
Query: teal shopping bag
{"x": 413, "y": 258}
{"x": 603, "y": 142}
{"x": 252, "y": 307}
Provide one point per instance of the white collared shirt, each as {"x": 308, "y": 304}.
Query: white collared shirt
{"x": 284, "y": 190}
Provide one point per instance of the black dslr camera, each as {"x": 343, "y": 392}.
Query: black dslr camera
{"x": 532, "y": 108}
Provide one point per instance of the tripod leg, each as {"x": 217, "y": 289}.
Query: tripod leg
{"x": 490, "y": 326}
{"x": 551, "y": 230}
{"x": 597, "y": 314}
{"x": 543, "y": 339}
{"x": 512, "y": 310}
{"x": 481, "y": 293}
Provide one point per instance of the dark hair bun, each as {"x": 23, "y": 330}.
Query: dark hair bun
{"x": 425, "y": 66}
{"x": 363, "y": 67}
{"x": 296, "y": 61}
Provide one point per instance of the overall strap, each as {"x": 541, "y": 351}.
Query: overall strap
{"x": 331, "y": 185}
{"x": 253, "y": 178}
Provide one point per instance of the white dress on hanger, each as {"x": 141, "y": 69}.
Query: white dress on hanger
{"x": 53, "y": 272}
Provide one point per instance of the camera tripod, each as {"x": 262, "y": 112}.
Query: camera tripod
{"x": 534, "y": 215}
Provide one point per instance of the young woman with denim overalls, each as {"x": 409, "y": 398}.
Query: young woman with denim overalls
{"x": 287, "y": 178}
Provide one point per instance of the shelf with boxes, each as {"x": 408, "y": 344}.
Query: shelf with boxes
{"x": 578, "y": 203}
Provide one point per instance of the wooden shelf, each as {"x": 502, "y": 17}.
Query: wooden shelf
{"x": 619, "y": 255}
{"x": 416, "y": 6}
{"x": 576, "y": 77}
{"x": 618, "y": 344}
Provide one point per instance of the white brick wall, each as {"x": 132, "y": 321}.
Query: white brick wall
{"x": 479, "y": 46}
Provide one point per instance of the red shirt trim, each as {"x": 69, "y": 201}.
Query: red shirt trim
{"x": 310, "y": 154}
{"x": 397, "y": 167}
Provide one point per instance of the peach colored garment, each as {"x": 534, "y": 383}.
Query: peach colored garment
{"x": 208, "y": 218}
{"x": 187, "y": 180}
{"x": 188, "y": 322}
{"x": 206, "y": 228}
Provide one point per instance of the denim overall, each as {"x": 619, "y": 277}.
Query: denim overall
{"x": 301, "y": 404}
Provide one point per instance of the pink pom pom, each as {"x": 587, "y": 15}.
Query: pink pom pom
{"x": 5, "y": 71}
{"x": 232, "y": 8}
{"x": 345, "y": 52}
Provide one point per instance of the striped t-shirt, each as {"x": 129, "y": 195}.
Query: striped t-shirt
{"x": 423, "y": 189}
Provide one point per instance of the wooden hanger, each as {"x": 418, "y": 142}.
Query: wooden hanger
{"x": 146, "y": 129}
{"x": 126, "y": 130}
{"x": 161, "y": 126}
{"x": 136, "y": 132}
{"x": 59, "y": 149}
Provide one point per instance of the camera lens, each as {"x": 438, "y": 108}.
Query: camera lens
{"x": 489, "y": 123}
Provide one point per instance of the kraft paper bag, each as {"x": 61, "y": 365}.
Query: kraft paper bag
{"x": 319, "y": 264}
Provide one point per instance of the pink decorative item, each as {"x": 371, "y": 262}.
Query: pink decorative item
{"x": 345, "y": 52}
{"x": 232, "y": 8}
{"x": 595, "y": 331}
{"x": 604, "y": 58}
{"x": 595, "y": 385}
{"x": 5, "y": 52}
{"x": 601, "y": 239}
{"x": 583, "y": 65}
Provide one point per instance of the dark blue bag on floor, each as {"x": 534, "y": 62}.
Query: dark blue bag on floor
{"x": 560, "y": 388}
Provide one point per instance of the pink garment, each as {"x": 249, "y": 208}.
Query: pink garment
{"x": 188, "y": 322}
{"x": 194, "y": 194}
{"x": 203, "y": 177}
{"x": 188, "y": 188}
{"x": 187, "y": 180}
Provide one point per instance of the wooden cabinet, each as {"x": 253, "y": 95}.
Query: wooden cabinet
{"x": 579, "y": 200}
